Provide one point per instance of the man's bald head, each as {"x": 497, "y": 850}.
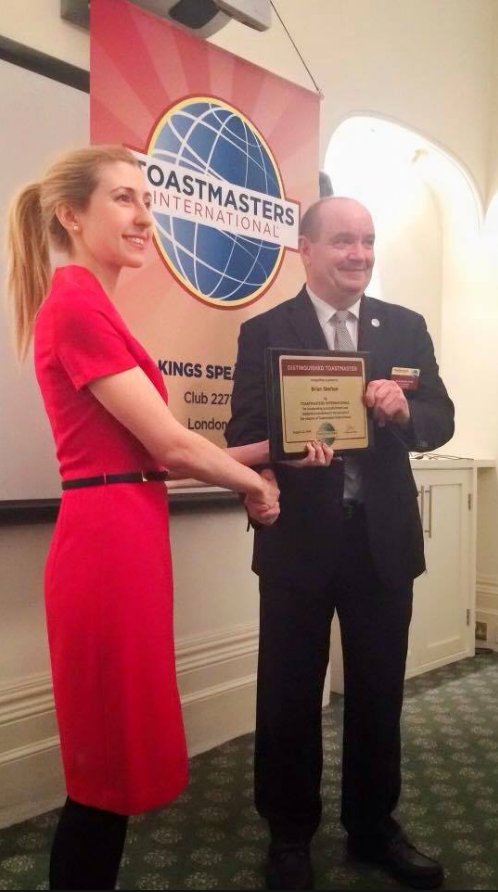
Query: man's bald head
{"x": 336, "y": 245}
{"x": 311, "y": 220}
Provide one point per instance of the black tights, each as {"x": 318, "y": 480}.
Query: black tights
{"x": 87, "y": 848}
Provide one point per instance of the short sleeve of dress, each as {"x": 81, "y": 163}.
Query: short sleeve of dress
{"x": 87, "y": 342}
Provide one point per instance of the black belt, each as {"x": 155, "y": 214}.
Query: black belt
{"x": 104, "y": 479}
{"x": 351, "y": 508}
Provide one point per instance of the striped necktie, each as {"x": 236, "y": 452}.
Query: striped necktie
{"x": 342, "y": 339}
{"x": 353, "y": 488}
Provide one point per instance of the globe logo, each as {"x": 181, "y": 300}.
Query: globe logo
{"x": 219, "y": 207}
{"x": 326, "y": 433}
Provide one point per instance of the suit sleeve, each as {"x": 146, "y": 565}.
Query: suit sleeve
{"x": 248, "y": 423}
{"x": 431, "y": 410}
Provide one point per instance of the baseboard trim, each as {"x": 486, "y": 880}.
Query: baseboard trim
{"x": 219, "y": 713}
{"x": 438, "y": 664}
{"x": 31, "y": 780}
{"x": 27, "y": 810}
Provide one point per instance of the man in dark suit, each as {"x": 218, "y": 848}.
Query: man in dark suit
{"x": 348, "y": 538}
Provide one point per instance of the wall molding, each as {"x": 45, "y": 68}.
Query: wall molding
{"x": 31, "y": 749}
{"x": 487, "y": 608}
{"x": 201, "y": 651}
{"x": 487, "y": 595}
{"x": 26, "y": 699}
{"x": 487, "y": 585}
{"x": 218, "y": 690}
{"x": 216, "y": 669}
{"x": 33, "y": 697}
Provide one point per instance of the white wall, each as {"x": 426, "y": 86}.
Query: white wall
{"x": 414, "y": 231}
{"x": 470, "y": 354}
{"x": 39, "y": 25}
{"x": 424, "y": 64}
{"x": 493, "y": 129}
{"x": 372, "y": 160}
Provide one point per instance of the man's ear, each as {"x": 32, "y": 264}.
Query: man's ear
{"x": 304, "y": 246}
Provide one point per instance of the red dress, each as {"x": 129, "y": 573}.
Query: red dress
{"x": 108, "y": 582}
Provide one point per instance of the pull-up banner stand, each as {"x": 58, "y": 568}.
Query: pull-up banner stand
{"x": 230, "y": 154}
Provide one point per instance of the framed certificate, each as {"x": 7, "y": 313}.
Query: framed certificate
{"x": 316, "y": 395}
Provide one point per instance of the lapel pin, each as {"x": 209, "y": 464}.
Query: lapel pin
{"x": 375, "y": 323}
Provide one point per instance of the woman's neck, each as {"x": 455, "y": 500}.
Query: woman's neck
{"x": 106, "y": 274}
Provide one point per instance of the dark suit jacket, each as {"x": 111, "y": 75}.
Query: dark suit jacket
{"x": 301, "y": 547}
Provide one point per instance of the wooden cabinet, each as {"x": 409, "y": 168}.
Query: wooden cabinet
{"x": 442, "y": 628}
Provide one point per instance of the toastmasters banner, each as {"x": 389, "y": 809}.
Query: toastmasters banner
{"x": 230, "y": 154}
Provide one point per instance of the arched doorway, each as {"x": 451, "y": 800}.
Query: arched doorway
{"x": 424, "y": 205}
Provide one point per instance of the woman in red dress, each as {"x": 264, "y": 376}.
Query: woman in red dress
{"x": 108, "y": 584}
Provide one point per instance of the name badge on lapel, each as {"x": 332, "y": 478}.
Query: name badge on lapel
{"x": 407, "y": 379}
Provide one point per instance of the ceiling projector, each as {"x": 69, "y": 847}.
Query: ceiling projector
{"x": 201, "y": 17}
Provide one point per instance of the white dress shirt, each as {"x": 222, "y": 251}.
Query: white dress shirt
{"x": 353, "y": 488}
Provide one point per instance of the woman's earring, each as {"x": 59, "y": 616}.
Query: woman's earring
{"x": 75, "y": 227}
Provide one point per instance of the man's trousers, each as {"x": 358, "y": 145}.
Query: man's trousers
{"x": 293, "y": 657}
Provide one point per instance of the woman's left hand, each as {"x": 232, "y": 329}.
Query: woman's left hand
{"x": 265, "y": 512}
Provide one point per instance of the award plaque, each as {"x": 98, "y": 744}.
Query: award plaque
{"x": 316, "y": 395}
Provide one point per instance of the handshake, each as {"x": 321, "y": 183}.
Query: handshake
{"x": 263, "y": 507}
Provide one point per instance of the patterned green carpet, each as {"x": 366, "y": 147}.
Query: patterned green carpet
{"x": 211, "y": 837}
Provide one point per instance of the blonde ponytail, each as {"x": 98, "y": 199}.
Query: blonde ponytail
{"x": 34, "y": 226}
{"x": 29, "y": 262}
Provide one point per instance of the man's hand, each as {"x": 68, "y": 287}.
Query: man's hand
{"x": 265, "y": 509}
{"x": 319, "y": 456}
{"x": 388, "y": 402}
